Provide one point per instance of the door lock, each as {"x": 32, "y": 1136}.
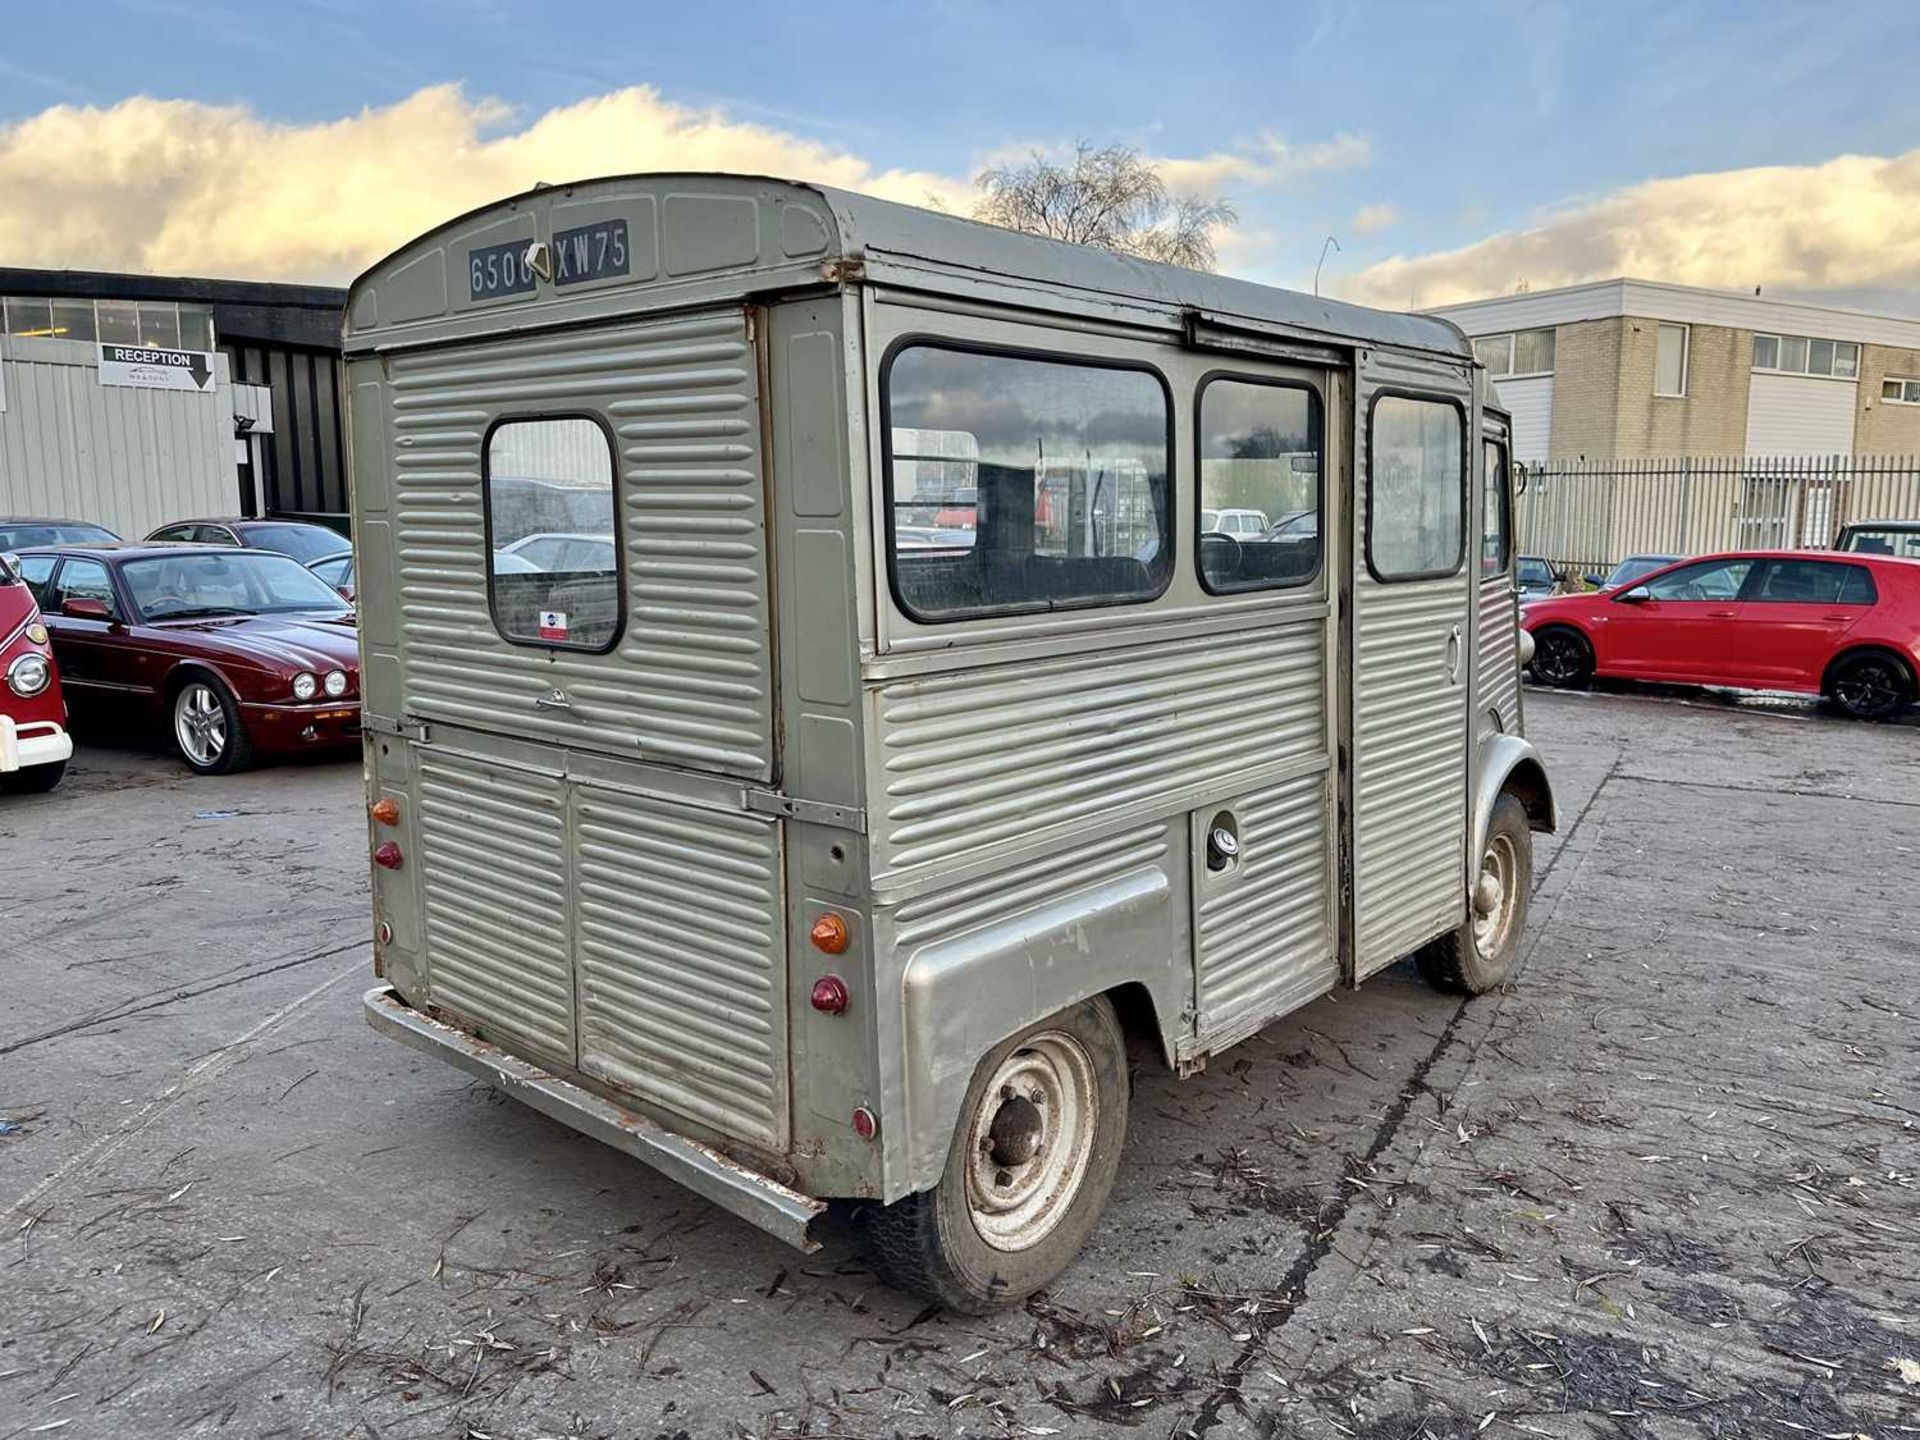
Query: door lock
{"x": 1223, "y": 847}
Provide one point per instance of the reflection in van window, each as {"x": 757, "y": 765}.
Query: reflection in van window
{"x": 1260, "y": 469}
{"x": 554, "y": 572}
{"x": 1416, "y": 495}
{"x": 1021, "y": 484}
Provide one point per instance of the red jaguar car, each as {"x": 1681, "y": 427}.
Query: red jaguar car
{"x": 34, "y": 744}
{"x": 1845, "y": 627}
{"x": 235, "y": 652}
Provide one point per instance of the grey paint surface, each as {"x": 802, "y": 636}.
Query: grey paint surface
{"x": 1010, "y": 812}
{"x": 130, "y": 459}
{"x": 232, "y": 1209}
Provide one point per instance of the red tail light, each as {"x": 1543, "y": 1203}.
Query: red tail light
{"x": 830, "y": 995}
{"x": 865, "y": 1123}
{"x": 388, "y": 856}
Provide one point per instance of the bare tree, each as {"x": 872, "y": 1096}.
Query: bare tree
{"x": 1109, "y": 197}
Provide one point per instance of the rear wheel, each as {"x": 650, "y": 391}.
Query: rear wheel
{"x": 1032, "y": 1163}
{"x": 1871, "y": 685}
{"x": 1479, "y": 955}
{"x": 1562, "y": 657}
{"x": 207, "y": 729}
{"x": 33, "y": 779}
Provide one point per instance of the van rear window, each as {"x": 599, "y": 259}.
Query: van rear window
{"x": 1019, "y": 483}
{"x": 554, "y": 567}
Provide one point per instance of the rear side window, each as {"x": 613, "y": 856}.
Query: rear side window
{"x": 1496, "y": 526}
{"x": 1260, "y": 485}
{"x": 1416, "y": 488}
{"x": 1018, "y": 483}
{"x": 554, "y": 563}
{"x": 1815, "y": 582}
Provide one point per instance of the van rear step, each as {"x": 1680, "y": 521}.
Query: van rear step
{"x": 784, "y": 1213}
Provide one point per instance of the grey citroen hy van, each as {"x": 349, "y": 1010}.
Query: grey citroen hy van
{"x": 810, "y": 728}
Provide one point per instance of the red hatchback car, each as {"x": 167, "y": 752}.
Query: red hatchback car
{"x": 1847, "y": 628}
{"x": 233, "y": 651}
{"x": 34, "y": 744}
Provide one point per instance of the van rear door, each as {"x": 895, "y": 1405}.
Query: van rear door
{"x": 567, "y": 583}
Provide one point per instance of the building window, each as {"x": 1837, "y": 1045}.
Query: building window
{"x": 1520, "y": 353}
{"x": 1260, "y": 469}
{"x": 1800, "y": 355}
{"x": 1018, "y": 482}
{"x": 1670, "y": 361}
{"x": 117, "y": 322}
{"x": 1898, "y": 390}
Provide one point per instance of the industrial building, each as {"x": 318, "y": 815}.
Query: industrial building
{"x": 1628, "y": 369}
{"x": 131, "y": 400}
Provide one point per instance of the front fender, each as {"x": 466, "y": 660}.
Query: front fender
{"x": 1510, "y": 763}
{"x": 965, "y": 994}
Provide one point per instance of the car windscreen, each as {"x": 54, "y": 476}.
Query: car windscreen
{"x": 305, "y": 543}
{"x": 19, "y": 536}
{"x": 1535, "y": 572}
{"x": 1894, "y": 540}
{"x": 237, "y": 582}
{"x": 1634, "y": 566}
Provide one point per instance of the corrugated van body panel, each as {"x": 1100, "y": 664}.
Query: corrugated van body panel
{"x": 682, "y": 959}
{"x": 689, "y": 683}
{"x": 975, "y": 759}
{"x": 1265, "y": 933}
{"x": 494, "y": 871}
{"x": 1497, "y": 673}
{"x": 1410, "y": 788}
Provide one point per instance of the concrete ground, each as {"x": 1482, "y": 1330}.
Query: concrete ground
{"x": 1664, "y": 1186}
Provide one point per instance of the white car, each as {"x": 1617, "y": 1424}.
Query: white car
{"x": 562, "y": 552}
{"x": 1233, "y": 522}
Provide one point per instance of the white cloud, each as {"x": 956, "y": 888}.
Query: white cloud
{"x": 1370, "y": 219}
{"x": 1852, "y": 222}
{"x": 1268, "y": 161}
{"x": 176, "y": 186}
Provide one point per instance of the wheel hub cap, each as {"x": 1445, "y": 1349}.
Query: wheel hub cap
{"x": 1030, "y": 1141}
{"x": 1493, "y": 895}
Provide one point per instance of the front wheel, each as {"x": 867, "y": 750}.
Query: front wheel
{"x": 207, "y": 729}
{"x": 1032, "y": 1163}
{"x": 1479, "y": 955}
{"x": 1871, "y": 686}
{"x": 1562, "y": 657}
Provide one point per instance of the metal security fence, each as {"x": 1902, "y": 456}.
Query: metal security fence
{"x": 1585, "y": 515}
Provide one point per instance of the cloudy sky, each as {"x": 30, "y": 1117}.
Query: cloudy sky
{"x": 1455, "y": 149}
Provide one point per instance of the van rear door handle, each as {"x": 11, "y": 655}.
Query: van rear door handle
{"x": 553, "y": 700}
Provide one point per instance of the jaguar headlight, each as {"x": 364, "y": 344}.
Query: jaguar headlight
{"x": 336, "y": 683}
{"x": 305, "y": 686}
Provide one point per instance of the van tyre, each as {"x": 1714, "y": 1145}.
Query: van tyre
{"x": 1031, "y": 1165}
{"x": 208, "y": 732}
{"x": 1562, "y": 657}
{"x": 1871, "y": 685}
{"x": 33, "y": 779}
{"x": 1479, "y": 955}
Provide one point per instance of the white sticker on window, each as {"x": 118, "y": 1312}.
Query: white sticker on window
{"x": 553, "y": 625}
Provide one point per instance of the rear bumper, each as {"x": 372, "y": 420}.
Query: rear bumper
{"x": 36, "y": 743}
{"x": 783, "y": 1213}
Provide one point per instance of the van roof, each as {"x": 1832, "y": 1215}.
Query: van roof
{"x": 801, "y": 228}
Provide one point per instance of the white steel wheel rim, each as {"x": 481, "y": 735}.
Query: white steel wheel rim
{"x": 200, "y": 724}
{"x": 1030, "y": 1141}
{"x": 1493, "y": 895}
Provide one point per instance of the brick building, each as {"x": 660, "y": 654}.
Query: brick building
{"x": 1625, "y": 369}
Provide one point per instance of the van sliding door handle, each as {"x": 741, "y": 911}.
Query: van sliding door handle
{"x": 1453, "y": 655}
{"x": 554, "y": 700}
